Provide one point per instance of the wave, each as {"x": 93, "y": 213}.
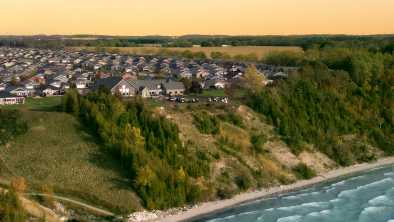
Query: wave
{"x": 294, "y": 218}
{"x": 359, "y": 177}
{"x": 220, "y": 219}
{"x": 342, "y": 183}
{"x": 352, "y": 193}
{"x": 250, "y": 212}
{"x": 306, "y": 205}
{"x": 389, "y": 174}
{"x": 300, "y": 195}
{"x": 373, "y": 210}
{"x": 381, "y": 200}
{"x": 321, "y": 213}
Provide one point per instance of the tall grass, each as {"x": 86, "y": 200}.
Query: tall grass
{"x": 58, "y": 150}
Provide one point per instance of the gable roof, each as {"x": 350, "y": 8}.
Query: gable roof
{"x": 4, "y": 94}
{"x": 111, "y": 82}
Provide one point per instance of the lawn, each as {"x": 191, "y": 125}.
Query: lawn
{"x": 202, "y": 98}
{"x": 37, "y": 104}
{"x": 58, "y": 150}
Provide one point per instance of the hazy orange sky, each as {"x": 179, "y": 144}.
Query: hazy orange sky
{"x": 181, "y": 17}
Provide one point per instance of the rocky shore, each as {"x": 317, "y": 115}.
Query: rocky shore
{"x": 146, "y": 216}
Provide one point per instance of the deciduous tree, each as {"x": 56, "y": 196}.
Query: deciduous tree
{"x": 252, "y": 80}
{"x": 195, "y": 88}
{"x": 231, "y": 89}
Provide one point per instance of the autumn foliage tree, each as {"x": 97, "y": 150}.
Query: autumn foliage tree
{"x": 231, "y": 89}
{"x": 18, "y": 184}
{"x": 186, "y": 82}
{"x": 252, "y": 80}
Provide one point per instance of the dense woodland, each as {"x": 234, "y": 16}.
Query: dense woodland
{"x": 148, "y": 145}
{"x": 321, "y": 106}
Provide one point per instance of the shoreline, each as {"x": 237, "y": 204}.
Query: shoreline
{"x": 220, "y": 205}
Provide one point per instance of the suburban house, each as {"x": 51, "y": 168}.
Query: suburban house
{"x": 214, "y": 83}
{"x": 180, "y": 74}
{"x": 18, "y": 91}
{"x": 37, "y": 79}
{"x": 124, "y": 86}
{"x": 7, "y": 98}
{"x": 157, "y": 87}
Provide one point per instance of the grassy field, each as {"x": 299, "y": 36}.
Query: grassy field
{"x": 202, "y": 98}
{"x": 58, "y": 150}
{"x": 37, "y": 104}
{"x": 260, "y": 50}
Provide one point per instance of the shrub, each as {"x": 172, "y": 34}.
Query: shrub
{"x": 243, "y": 181}
{"x": 226, "y": 193}
{"x": 304, "y": 171}
{"x": 217, "y": 155}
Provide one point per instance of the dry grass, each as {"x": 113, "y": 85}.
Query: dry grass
{"x": 232, "y": 51}
{"x": 242, "y": 139}
{"x": 58, "y": 150}
{"x": 37, "y": 210}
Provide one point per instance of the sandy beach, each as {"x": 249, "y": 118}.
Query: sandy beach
{"x": 211, "y": 207}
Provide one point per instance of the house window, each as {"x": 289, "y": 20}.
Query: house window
{"x": 176, "y": 92}
{"x": 145, "y": 94}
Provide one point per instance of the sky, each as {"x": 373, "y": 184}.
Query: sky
{"x": 210, "y": 17}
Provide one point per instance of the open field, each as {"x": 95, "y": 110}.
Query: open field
{"x": 260, "y": 50}
{"x": 37, "y": 104}
{"x": 58, "y": 150}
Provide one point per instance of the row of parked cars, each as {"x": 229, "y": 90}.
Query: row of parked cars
{"x": 194, "y": 100}
{"x": 181, "y": 99}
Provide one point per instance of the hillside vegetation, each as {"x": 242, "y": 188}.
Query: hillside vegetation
{"x": 340, "y": 113}
{"x": 55, "y": 149}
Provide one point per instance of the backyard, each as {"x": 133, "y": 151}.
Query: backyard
{"x": 37, "y": 104}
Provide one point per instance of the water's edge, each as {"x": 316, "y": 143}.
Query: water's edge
{"x": 352, "y": 170}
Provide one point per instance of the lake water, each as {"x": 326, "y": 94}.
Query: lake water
{"x": 366, "y": 196}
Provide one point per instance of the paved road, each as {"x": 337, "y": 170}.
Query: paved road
{"x": 73, "y": 201}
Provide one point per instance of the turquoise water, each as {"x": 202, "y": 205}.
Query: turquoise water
{"x": 366, "y": 196}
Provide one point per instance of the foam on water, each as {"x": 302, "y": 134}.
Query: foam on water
{"x": 321, "y": 213}
{"x": 352, "y": 193}
{"x": 300, "y": 195}
{"x": 294, "y": 218}
{"x": 372, "y": 199}
{"x": 247, "y": 213}
{"x": 381, "y": 200}
{"x": 389, "y": 174}
{"x": 356, "y": 178}
{"x": 305, "y": 205}
{"x": 373, "y": 210}
{"x": 342, "y": 183}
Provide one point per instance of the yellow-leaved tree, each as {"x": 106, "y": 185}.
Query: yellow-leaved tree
{"x": 144, "y": 177}
{"x": 18, "y": 184}
{"x": 252, "y": 80}
{"x": 133, "y": 139}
